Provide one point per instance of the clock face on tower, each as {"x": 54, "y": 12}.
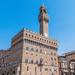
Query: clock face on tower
{"x": 43, "y": 20}
{"x": 45, "y": 34}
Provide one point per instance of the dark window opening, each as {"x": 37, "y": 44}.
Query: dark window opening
{"x": 27, "y": 68}
{"x": 2, "y": 73}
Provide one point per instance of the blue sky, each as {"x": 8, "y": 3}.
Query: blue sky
{"x": 16, "y": 14}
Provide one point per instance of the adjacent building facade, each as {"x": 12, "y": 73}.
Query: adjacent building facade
{"x": 67, "y": 64}
{"x": 31, "y": 53}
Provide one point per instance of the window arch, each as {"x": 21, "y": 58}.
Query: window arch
{"x": 2, "y": 73}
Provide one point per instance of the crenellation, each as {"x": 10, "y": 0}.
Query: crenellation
{"x": 31, "y": 53}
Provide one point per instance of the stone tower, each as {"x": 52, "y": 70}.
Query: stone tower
{"x": 43, "y": 20}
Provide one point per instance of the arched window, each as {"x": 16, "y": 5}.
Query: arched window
{"x": 41, "y": 60}
{"x": 27, "y": 68}
{"x": 7, "y": 73}
{"x": 2, "y": 73}
{"x": 13, "y": 72}
{"x": 32, "y": 61}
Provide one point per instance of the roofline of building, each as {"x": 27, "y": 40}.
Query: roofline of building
{"x": 69, "y": 53}
{"x": 34, "y": 33}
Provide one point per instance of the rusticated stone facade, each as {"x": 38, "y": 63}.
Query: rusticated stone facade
{"x": 30, "y": 54}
